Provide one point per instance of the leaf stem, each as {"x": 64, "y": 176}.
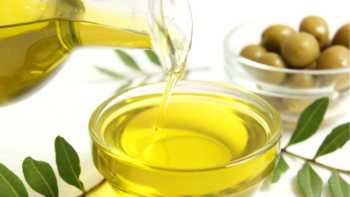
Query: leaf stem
{"x": 314, "y": 161}
{"x": 92, "y": 188}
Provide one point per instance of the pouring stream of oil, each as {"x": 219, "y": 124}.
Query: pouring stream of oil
{"x": 163, "y": 108}
{"x": 173, "y": 47}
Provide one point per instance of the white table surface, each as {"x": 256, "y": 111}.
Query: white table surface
{"x": 63, "y": 107}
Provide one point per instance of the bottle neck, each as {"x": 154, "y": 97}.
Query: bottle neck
{"x": 79, "y": 33}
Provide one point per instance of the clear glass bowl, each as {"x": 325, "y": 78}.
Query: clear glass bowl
{"x": 290, "y": 99}
{"x": 129, "y": 175}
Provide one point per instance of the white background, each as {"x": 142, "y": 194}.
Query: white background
{"x": 64, "y": 106}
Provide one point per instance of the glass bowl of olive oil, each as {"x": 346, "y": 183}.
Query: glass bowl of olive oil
{"x": 213, "y": 140}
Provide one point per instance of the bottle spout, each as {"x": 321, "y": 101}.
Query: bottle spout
{"x": 171, "y": 29}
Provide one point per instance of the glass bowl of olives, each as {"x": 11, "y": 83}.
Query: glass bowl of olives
{"x": 292, "y": 66}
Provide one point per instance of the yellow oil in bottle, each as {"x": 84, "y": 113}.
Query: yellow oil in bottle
{"x": 190, "y": 154}
{"x": 30, "y": 52}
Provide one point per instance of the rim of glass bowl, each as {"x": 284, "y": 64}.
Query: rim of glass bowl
{"x": 230, "y": 50}
{"x": 275, "y": 127}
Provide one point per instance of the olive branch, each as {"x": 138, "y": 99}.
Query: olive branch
{"x": 309, "y": 182}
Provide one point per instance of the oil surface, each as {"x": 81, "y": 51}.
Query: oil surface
{"x": 200, "y": 134}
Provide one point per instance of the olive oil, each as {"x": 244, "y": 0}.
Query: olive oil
{"x": 173, "y": 78}
{"x": 194, "y": 152}
{"x": 30, "y": 52}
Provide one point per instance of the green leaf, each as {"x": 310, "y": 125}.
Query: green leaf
{"x": 335, "y": 140}
{"x": 68, "y": 163}
{"x": 40, "y": 176}
{"x": 152, "y": 56}
{"x": 128, "y": 60}
{"x": 110, "y": 73}
{"x": 10, "y": 184}
{"x": 123, "y": 86}
{"x": 310, "y": 121}
{"x": 309, "y": 182}
{"x": 338, "y": 186}
{"x": 280, "y": 168}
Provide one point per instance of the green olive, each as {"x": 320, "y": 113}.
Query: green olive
{"x": 299, "y": 81}
{"x": 296, "y": 106}
{"x": 342, "y": 82}
{"x": 274, "y": 60}
{"x": 274, "y": 101}
{"x": 275, "y": 35}
{"x": 300, "y": 50}
{"x": 334, "y": 57}
{"x": 253, "y": 52}
{"x": 312, "y": 66}
{"x": 317, "y": 27}
{"x": 342, "y": 37}
{"x": 339, "y": 81}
